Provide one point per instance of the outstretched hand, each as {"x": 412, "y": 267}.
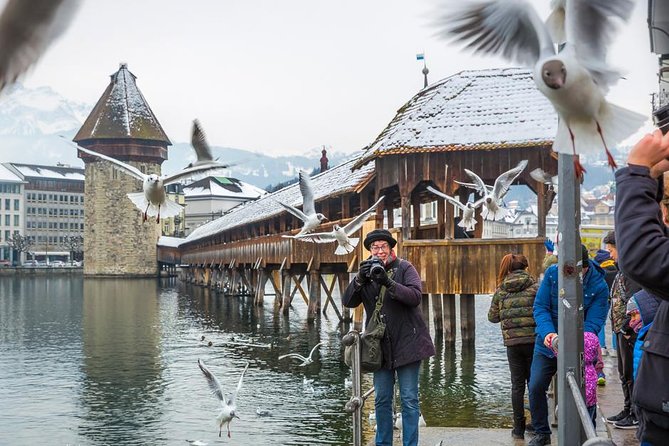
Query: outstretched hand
{"x": 550, "y": 246}
{"x": 651, "y": 151}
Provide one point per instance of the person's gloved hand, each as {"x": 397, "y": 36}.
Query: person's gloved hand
{"x": 550, "y": 246}
{"x": 363, "y": 271}
{"x": 385, "y": 280}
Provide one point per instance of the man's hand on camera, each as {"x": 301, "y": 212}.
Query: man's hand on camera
{"x": 363, "y": 272}
{"x": 384, "y": 280}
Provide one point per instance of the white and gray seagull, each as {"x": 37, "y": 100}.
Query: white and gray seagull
{"x": 305, "y": 361}
{"x": 492, "y": 198}
{"x": 200, "y": 145}
{"x": 576, "y": 79}
{"x": 228, "y": 401}
{"x": 308, "y": 214}
{"x": 27, "y": 28}
{"x": 153, "y": 200}
{"x": 342, "y": 235}
{"x": 544, "y": 177}
{"x": 468, "y": 221}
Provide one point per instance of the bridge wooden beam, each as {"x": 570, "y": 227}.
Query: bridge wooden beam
{"x": 328, "y": 296}
{"x": 314, "y": 306}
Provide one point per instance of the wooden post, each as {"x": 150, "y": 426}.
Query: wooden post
{"x": 437, "y": 315}
{"x": 285, "y": 285}
{"x": 448, "y": 305}
{"x": 405, "y": 201}
{"x": 415, "y": 204}
{"x": 467, "y": 317}
{"x": 425, "y": 309}
{"x": 314, "y": 295}
{"x": 260, "y": 287}
{"x": 346, "y": 206}
{"x": 275, "y": 279}
{"x": 542, "y": 210}
{"x": 379, "y": 212}
{"x": 342, "y": 279}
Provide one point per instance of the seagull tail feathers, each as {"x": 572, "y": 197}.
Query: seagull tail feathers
{"x": 342, "y": 250}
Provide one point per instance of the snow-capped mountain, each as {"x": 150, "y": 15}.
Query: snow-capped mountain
{"x": 37, "y": 125}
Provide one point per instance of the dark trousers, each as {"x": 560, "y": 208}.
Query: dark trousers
{"x": 626, "y": 366}
{"x": 543, "y": 369}
{"x": 520, "y": 362}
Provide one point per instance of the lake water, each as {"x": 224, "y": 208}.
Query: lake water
{"x": 107, "y": 361}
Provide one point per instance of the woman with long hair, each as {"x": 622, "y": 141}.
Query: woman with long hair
{"x": 512, "y": 306}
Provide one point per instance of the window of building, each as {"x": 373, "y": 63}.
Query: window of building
{"x": 8, "y": 235}
{"x": 7, "y": 218}
{"x": 16, "y": 205}
{"x": 16, "y": 220}
{"x": 7, "y": 203}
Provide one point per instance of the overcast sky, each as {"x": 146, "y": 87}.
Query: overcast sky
{"x": 285, "y": 76}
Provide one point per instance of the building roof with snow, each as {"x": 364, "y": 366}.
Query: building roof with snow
{"x": 332, "y": 182}
{"x": 7, "y": 175}
{"x": 222, "y": 187}
{"x": 471, "y": 110}
{"x": 36, "y": 172}
{"x": 122, "y": 113}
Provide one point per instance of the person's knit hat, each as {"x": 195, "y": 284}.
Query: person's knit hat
{"x": 584, "y": 256}
{"x": 648, "y": 305}
{"x": 602, "y": 255}
{"x": 379, "y": 234}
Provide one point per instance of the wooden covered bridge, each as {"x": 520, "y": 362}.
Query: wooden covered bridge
{"x": 486, "y": 121}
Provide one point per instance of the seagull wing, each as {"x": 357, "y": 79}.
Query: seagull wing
{"x": 479, "y": 185}
{"x": 504, "y": 181}
{"x": 195, "y": 172}
{"x": 511, "y": 28}
{"x": 199, "y": 143}
{"x": 213, "y": 382}
{"x": 294, "y": 356}
{"x": 239, "y": 385}
{"x": 540, "y": 175}
{"x": 307, "y": 190}
{"x": 448, "y": 198}
{"x": 354, "y": 225}
{"x": 311, "y": 353}
{"x": 27, "y": 28}
{"x": 293, "y": 210}
{"x": 589, "y": 24}
{"x": 317, "y": 237}
{"x": 127, "y": 168}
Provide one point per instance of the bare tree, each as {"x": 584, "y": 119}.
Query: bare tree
{"x": 20, "y": 243}
{"x": 75, "y": 245}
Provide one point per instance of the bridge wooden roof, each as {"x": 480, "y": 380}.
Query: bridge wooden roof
{"x": 333, "y": 182}
{"x": 472, "y": 110}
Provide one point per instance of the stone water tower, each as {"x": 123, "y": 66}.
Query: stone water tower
{"x": 122, "y": 126}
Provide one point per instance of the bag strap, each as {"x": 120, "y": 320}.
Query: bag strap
{"x": 382, "y": 293}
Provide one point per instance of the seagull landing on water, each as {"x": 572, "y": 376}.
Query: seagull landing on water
{"x": 576, "y": 79}
{"x": 468, "y": 221}
{"x": 228, "y": 402}
{"x": 492, "y": 196}
{"x": 153, "y": 201}
{"x": 305, "y": 361}
{"x": 342, "y": 235}
{"x": 308, "y": 214}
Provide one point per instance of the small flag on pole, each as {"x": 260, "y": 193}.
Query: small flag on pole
{"x": 420, "y": 56}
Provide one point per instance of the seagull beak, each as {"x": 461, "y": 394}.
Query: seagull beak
{"x": 236, "y": 416}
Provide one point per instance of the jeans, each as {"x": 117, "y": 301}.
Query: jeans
{"x": 543, "y": 369}
{"x": 384, "y": 385}
{"x": 520, "y": 362}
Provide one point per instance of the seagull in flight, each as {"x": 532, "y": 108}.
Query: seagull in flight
{"x": 468, "y": 221}
{"x": 544, "y": 177}
{"x": 228, "y": 402}
{"x": 308, "y": 214}
{"x": 492, "y": 197}
{"x": 576, "y": 79}
{"x": 342, "y": 235}
{"x": 153, "y": 200}
{"x": 27, "y": 28}
{"x": 305, "y": 361}
{"x": 200, "y": 145}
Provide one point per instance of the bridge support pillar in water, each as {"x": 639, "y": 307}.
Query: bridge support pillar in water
{"x": 448, "y": 305}
{"x": 467, "y": 317}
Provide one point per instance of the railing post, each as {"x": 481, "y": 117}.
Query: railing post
{"x": 354, "y": 405}
{"x": 570, "y": 302}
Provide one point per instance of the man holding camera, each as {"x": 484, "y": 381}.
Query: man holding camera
{"x": 406, "y": 341}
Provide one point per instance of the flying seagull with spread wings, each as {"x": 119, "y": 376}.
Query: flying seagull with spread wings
{"x": 576, "y": 79}
{"x": 492, "y": 198}
{"x": 308, "y": 214}
{"x": 468, "y": 221}
{"x": 27, "y": 28}
{"x": 153, "y": 201}
{"x": 228, "y": 402}
{"x": 342, "y": 235}
{"x": 200, "y": 145}
{"x": 544, "y": 177}
{"x": 305, "y": 361}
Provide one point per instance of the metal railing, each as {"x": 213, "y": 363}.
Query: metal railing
{"x": 586, "y": 421}
{"x": 354, "y": 405}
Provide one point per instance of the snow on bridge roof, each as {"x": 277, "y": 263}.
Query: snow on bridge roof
{"x": 335, "y": 181}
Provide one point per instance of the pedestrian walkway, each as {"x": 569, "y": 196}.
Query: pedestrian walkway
{"x": 610, "y": 402}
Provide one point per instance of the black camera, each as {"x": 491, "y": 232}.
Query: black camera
{"x": 661, "y": 118}
{"x": 376, "y": 270}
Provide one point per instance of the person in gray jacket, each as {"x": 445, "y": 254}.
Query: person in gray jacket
{"x": 406, "y": 341}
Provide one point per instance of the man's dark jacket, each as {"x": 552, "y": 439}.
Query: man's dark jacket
{"x": 642, "y": 240}
{"x": 407, "y": 338}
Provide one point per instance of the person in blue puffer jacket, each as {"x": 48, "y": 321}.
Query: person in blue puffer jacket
{"x": 641, "y": 309}
{"x": 544, "y": 361}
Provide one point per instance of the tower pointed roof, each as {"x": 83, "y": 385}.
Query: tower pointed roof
{"x": 122, "y": 113}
